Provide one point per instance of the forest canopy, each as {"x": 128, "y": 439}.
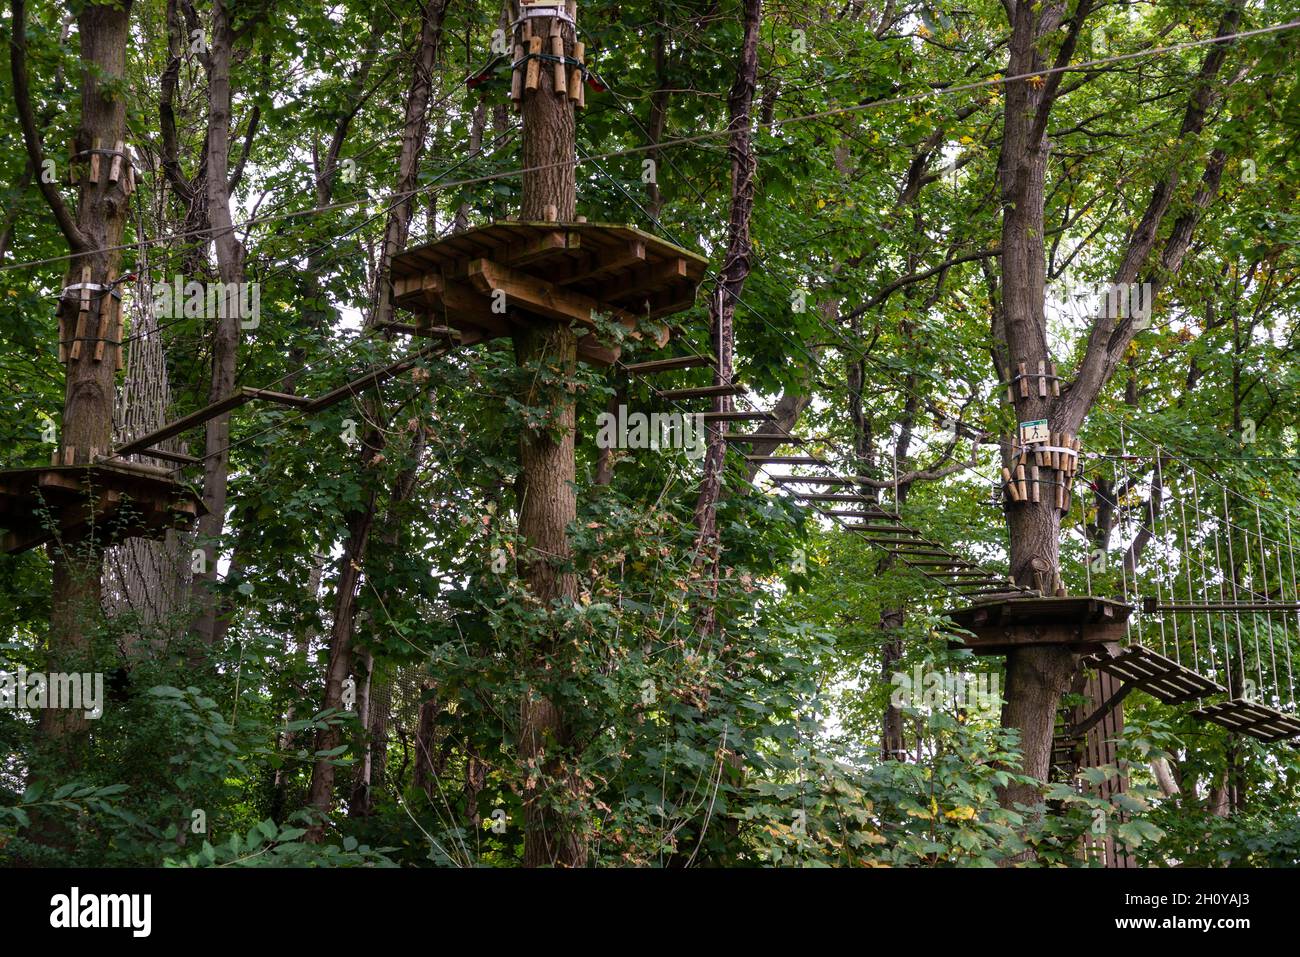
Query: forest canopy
{"x": 654, "y": 433}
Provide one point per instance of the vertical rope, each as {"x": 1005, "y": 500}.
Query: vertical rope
{"x": 1187, "y": 570}
{"x": 1263, "y": 571}
{"x": 1232, "y": 571}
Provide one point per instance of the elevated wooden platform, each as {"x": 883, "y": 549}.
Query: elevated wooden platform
{"x": 1246, "y": 717}
{"x": 557, "y": 271}
{"x": 1084, "y": 624}
{"x": 69, "y": 502}
{"x": 1158, "y": 676}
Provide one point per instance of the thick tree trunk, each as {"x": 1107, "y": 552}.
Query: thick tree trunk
{"x": 225, "y": 337}
{"x": 731, "y": 283}
{"x": 93, "y": 237}
{"x": 553, "y": 831}
{"x": 361, "y": 520}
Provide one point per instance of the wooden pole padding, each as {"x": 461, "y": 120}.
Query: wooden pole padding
{"x": 1024, "y": 382}
{"x": 575, "y": 73}
{"x": 116, "y": 336}
{"x": 115, "y": 169}
{"x": 517, "y": 80}
{"x": 1055, "y": 439}
{"x": 557, "y": 51}
{"x": 73, "y": 176}
{"x": 1056, "y": 381}
{"x": 105, "y": 327}
{"x": 1033, "y": 479}
{"x": 1042, "y": 379}
{"x": 1010, "y": 485}
{"x": 83, "y": 314}
{"x": 534, "y": 68}
{"x": 1020, "y": 482}
{"x": 94, "y": 161}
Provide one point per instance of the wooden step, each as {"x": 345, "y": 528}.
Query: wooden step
{"x": 702, "y": 392}
{"x": 786, "y": 460}
{"x": 178, "y": 457}
{"x": 781, "y": 437}
{"x": 738, "y": 417}
{"x": 833, "y": 497}
{"x": 669, "y": 365}
{"x": 855, "y": 513}
{"x": 1158, "y": 676}
{"x": 816, "y": 479}
{"x": 954, "y": 563}
{"x": 878, "y": 528}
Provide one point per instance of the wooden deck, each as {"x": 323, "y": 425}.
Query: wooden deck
{"x": 568, "y": 272}
{"x": 112, "y": 502}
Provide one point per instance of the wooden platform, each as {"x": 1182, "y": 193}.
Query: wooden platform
{"x": 1256, "y": 720}
{"x": 1158, "y": 676}
{"x": 1084, "y": 623}
{"x": 69, "y": 502}
{"x": 558, "y": 271}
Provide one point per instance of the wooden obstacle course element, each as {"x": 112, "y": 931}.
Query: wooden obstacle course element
{"x": 1047, "y": 379}
{"x": 68, "y": 502}
{"x": 1039, "y": 471}
{"x": 738, "y": 417}
{"x": 670, "y": 365}
{"x": 1083, "y": 623}
{"x": 1248, "y": 717}
{"x": 1160, "y": 677}
{"x": 555, "y": 271}
{"x": 702, "y": 392}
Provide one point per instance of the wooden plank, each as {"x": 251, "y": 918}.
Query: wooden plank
{"x": 185, "y": 423}
{"x": 787, "y": 460}
{"x": 702, "y": 392}
{"x": 669, "y": 365}
{"x": 738, "y": 417}
{"x": 538, "y": 295}
{"x": 651, "y": 278}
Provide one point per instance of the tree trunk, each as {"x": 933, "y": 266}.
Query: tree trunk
{"x": 361, "y": 520}
{"x": 225, "y": 338}
{"x": 731, "y": 283}
{"x": 93, "y": 238}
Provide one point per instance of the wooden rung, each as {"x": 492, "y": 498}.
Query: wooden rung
{"x": 702, "y": 392}
{"x": 739, "y": 417}
{"x": 785, "y": 459}
{"x": 818, "y": 479}
{"x": 164, "y": 454}
{"x": 833, "y": 497}
{"x": 783, "y": 438}
{"x": 668, "y": 365}
{"x": 879, "y": 529}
